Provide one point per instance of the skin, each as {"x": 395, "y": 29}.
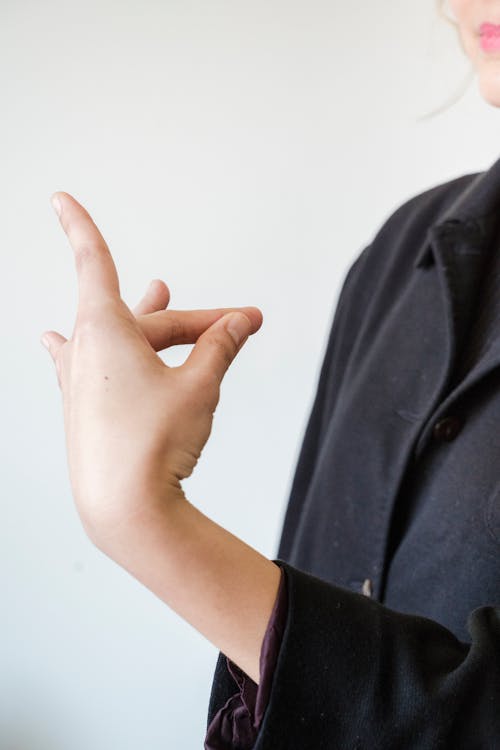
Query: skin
{"x": 469, "y": 15}
{"x": 135, "y": 428}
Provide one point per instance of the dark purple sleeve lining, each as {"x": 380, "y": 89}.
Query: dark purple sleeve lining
{"x": 236, "y": 725}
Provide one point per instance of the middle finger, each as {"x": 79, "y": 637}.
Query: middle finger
{"x": 170, "y": 327}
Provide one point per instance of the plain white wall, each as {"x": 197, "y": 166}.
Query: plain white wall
{"x": 244, "y": 152}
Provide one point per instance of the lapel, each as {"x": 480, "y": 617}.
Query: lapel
{"x": 456, "y": 246}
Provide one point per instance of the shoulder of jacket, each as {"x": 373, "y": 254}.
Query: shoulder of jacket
{"x": 401, "y": 234}
{"x": 430, "y": 203}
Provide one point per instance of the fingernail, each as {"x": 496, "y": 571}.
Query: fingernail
{"x": 239, "y": 327}
{"x": 56, "y": 205}
{"x": 45, "y": 341}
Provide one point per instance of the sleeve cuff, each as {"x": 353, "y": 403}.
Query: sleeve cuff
{"x": 353, "y": 673}
{"x": 235, "y": 726}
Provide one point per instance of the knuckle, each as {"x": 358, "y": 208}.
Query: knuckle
{"x": 202, "y": 388}
{"x": 86, "y": 325}
{"x": 100, "y": 313}
{"x": 223, "y": 347}
{"x": 176, "y": 330}
{"x": 85, "y": 251}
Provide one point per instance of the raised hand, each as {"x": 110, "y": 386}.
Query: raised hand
{"x": 134, "y": 426}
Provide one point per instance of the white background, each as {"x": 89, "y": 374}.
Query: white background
{"x": 244, "y": 152}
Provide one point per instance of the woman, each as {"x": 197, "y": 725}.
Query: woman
{"x": 378, "y": 625}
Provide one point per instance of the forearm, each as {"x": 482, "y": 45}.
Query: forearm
{"x": 213, "y": 580}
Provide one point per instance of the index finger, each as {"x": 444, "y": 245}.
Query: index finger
{"x": 96, "y": 271}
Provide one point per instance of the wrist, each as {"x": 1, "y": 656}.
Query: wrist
{"x": 137, "y": 510}
{"x": 223, "y": 587}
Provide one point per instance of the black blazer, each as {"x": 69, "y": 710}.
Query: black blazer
{"x": 391, "y": 539}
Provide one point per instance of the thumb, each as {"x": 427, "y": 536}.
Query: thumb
{"x": 217, "y": 347}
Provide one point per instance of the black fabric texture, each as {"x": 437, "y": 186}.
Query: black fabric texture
{"x": 391, "y": 536}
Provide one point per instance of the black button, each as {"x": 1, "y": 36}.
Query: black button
{"x": 447, "y": 428}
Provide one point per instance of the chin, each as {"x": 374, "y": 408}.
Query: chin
{"x": 489, "y": 88}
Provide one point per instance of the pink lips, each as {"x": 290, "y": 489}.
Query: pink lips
{"x": 490, "y": 37}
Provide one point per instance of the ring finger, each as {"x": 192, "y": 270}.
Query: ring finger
{"x": 156, "y": 297}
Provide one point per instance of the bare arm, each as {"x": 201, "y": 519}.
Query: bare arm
{"x": 136, "y": 427}
{"x": 213, "y": 580}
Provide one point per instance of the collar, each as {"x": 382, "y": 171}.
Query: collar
{"x": 471, "y": 217}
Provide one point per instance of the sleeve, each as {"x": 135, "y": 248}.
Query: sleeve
{"x": 236, "y": 723}
{"x": 354, "y": 674}
{"x": 348, "y": 313}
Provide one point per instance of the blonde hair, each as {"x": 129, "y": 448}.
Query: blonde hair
{"x": 441, "y": 9}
